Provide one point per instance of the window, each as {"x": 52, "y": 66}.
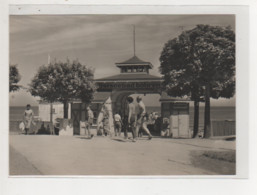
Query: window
{"x": 140, "y": 69}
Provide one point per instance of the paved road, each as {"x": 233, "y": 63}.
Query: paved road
{"x": 19, "y": 165}
{"x": 55, "y": 155}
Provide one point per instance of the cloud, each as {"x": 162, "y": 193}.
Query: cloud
{"x": 39, "y": 34}
{"x": 96, "y": 40}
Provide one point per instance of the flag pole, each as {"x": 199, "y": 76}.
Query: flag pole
{"x": 134, "y": 39}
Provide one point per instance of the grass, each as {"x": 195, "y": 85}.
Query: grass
{"x": 229, "y": 156}
{"x": 219, "y": 162}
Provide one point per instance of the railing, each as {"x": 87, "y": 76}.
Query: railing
{"x": 223, "y": 128}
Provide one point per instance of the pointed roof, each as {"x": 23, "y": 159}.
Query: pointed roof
{"x": 129, "y": 78}
{"x": 134, "y": 61}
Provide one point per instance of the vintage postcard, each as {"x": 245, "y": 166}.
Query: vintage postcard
{"x": 129, "y": 89}
{"x": 144, "y": 92}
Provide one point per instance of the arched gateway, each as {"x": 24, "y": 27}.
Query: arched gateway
{"x": 134, "y": 78}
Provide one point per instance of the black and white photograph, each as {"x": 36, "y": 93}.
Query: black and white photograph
{"x": 115, "y": 95}
{"x": 128, "y": 97}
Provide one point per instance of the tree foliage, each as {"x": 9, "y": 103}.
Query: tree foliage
{"x": 63, "y": 82}
{"x": 200, "y": 63}
{"x": 14, "y": 78}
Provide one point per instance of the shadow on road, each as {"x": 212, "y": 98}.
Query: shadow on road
{"x": 118, "y": 140}
{"x": 84, "y": 137}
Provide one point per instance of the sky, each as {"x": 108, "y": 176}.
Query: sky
{"x": 98, "y": 41}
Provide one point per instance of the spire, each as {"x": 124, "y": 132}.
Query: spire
{"x": 134, "y": 39}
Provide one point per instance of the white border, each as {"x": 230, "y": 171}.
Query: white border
{"x": 241, "y": 13}
{"x": 136, "y": 185}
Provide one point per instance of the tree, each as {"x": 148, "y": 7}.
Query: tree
{"x": 206, "y": 61}
{"x": 63, "y": 82}
{"x": 180, "y": 75}
{"x": 14, "y": 78}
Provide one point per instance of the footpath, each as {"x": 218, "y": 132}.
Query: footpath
{"x": 55, "y": 155}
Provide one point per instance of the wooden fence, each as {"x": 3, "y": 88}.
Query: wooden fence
{"x": 223, "y": 128}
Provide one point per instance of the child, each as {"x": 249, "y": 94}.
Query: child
{"x": 117, "y": 124}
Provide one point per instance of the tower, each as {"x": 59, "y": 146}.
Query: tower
{"x": 134, "y": 64}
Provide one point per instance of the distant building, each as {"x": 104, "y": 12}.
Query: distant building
{"x": 44, "y": 111}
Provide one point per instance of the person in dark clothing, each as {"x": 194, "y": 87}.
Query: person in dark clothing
{"x": 132, "y": 117}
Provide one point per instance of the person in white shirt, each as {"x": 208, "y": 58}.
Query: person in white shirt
{"x": 142, "y": 119}
{"x": 27, "y": 118}
{"x": 117, "y": 124}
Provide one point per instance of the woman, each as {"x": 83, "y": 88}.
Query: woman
{"x": 28, "y": 118}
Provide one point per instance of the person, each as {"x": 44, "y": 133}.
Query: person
{"x": 117, "y": 124}
{"x": 132, "y": 117}
{"x": 155, "y": 115}
{"x": 165, "y": 132}
{"x": 103, "y": 121}
{"x": 151, "y": 120}
{"x": 142, "y": 118}
{"x": 125, "y": 125}
{"x": 90, "y": 118}
{"x": 28, "y": 118}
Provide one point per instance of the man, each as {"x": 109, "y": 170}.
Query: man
{"x": 132, "y": 117}
{"x": 142, "y": 119}
{"x": 117, "y": 124}
{"x": 90, "y": 118}
{"x": 27, "y": 118}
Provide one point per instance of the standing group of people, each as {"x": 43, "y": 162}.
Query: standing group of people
{"x": 133, "y": 122}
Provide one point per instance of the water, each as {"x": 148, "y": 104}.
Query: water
{"x": 16, "y": 112}
{"x": 16, "y": 115}
{"x": 217, "y": 113}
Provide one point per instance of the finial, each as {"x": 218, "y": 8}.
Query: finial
{"x": 134, "y": 37}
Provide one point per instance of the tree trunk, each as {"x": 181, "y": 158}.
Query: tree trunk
{"x": 51, "y": 112}
{"x": 65, "y": 109}
{"x": 196, "y": 118}
{"x": 207, "y": 117}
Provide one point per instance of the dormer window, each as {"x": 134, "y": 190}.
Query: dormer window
{"x": 141, "y": 69}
